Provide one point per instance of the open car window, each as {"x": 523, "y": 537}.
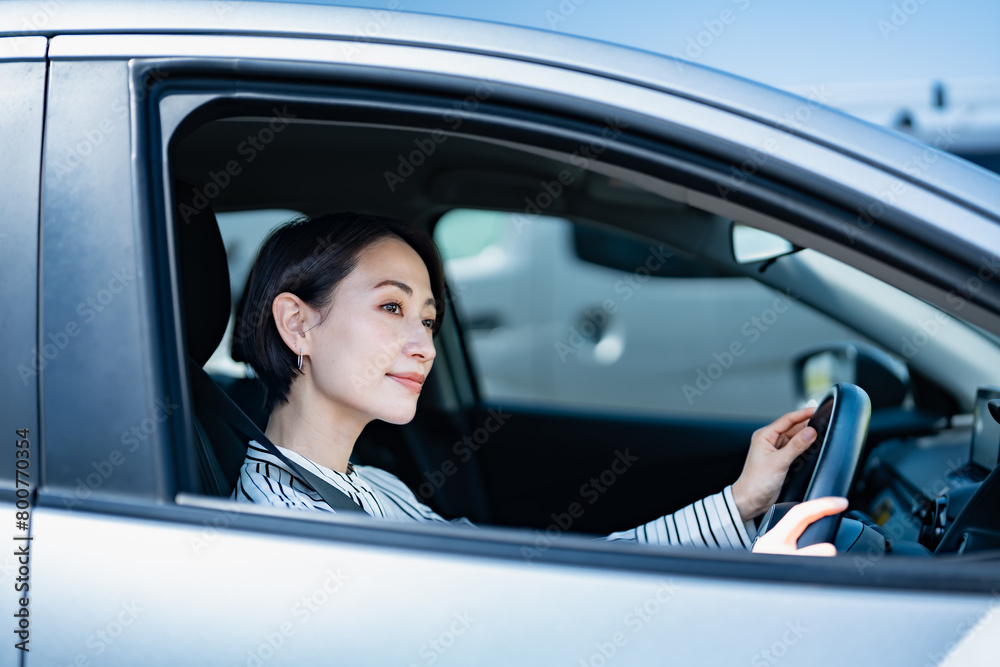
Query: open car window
{"x": 580, "y": 316}
{"x": 636, "y": 311}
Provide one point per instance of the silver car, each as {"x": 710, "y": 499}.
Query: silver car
{"x": 664, "y": 176}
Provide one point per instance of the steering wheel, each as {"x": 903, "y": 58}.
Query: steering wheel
{"x": 827, "y": 467}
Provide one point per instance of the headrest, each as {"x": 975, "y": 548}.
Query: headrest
{"x": 204, "y": 272}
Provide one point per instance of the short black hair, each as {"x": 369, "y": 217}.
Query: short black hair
{"x": 309, "y": 257}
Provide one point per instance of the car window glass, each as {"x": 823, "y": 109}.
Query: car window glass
{"x": 583, "y": 316}
{"x": 469, "y": 234}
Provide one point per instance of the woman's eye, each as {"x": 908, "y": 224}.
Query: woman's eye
{"x": 429, "y": 324}
{"x": 393, "y": 308}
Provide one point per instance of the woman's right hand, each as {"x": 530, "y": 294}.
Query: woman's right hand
{"x": 783, "y": 537}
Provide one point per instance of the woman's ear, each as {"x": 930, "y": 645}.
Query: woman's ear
{"x": 293, "y": 317}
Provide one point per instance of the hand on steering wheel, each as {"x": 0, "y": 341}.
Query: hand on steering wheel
{"x": 784, "y": 537}
{"x": 772, "y": 450}
{"x": 824, "y": 469}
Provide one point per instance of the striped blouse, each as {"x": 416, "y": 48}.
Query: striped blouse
{"x": 710, "y": 522}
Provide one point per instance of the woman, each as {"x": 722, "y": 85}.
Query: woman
{"x": 338, "y": 321}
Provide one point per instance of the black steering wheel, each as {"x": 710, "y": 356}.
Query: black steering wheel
{"x": 827, "y": 467}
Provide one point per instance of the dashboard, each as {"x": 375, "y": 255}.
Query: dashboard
{"x": 915, "y": 488}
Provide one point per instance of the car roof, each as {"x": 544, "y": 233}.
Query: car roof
{"x": 950, "y": 176}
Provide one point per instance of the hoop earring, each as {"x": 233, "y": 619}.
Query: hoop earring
{"x": 300, "y": 358}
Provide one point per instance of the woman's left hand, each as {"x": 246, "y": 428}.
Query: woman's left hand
{"x": 772, "y": 450}
{"x": 784, "y": 537}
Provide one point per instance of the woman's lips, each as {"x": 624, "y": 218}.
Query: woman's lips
{"x": 412, "y": 385}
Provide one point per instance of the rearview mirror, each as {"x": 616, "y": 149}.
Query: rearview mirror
{"x": 754, "y": 245}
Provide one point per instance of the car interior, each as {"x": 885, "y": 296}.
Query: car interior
{"x": 534, "y": 466}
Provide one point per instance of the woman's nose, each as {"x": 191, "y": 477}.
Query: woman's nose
{"x": 420, "y": 342}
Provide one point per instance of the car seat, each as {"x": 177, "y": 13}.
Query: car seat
{"x": 206, "y": 307}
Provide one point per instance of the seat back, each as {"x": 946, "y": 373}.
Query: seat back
{"x": 206, "y": 307}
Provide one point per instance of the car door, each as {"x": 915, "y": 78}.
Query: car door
{"x": 22, "y": 353}
{"x": 131, "y": 566}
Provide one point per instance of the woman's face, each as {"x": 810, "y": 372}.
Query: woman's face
{"x": 374, "y": 348}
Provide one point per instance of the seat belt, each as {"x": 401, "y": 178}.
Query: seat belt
{"x": 219, "y": 402}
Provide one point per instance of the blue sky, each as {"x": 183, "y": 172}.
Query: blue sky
{"x": 780, "y": 42}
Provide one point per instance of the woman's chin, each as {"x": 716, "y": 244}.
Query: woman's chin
{"x": 403, "y": 415}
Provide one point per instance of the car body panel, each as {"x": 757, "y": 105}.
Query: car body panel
{"x": 94, "y": 251}
{"x": 171, "y": 592}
